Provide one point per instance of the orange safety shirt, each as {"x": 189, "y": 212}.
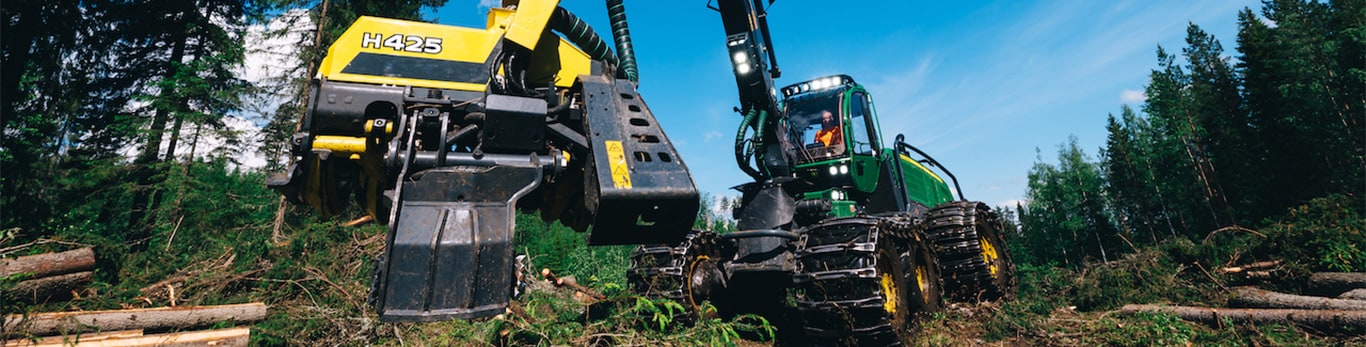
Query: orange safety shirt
{"x": 830, "y": 137}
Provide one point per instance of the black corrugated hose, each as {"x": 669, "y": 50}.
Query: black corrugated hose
{"x": 582, "y": 35}
{"x": 616, "y": 13}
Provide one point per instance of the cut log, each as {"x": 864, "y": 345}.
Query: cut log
{"x": 1321, "y": 319}
{"x": 1354, "y": 294}
{"x": 68, "y": 340}
{"x": 46, "y": 288}
{"x": 1253, "y": 266}
{"x": 1253, "y": 297}
{"x": 161, "y": 318}
{"x": 223, "y": 337}
{"x": 1334, "y": 283}
{"x": 48, "y": 264}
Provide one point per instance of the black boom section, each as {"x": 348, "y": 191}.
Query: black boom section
{"x": 638, "y": 187}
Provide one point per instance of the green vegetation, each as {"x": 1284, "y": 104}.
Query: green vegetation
{"x": 1227, "y": 164}
{"x": 1223, "y": 147}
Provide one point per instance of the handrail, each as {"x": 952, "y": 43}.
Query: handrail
{"x": 901, "y": 146}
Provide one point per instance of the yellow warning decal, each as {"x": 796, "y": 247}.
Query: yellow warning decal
{"x": 621, "y": 175}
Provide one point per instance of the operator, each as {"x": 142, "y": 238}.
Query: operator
{"x": 830, "y": 133}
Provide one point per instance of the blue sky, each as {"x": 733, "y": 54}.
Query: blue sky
{"x": 980, "y": 85}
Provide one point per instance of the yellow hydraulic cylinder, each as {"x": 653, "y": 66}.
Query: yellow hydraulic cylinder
{"x": 340, "y": 144}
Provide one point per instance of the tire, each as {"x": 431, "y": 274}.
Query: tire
{"x": 976, "y": 264}
{"x": 852, "y": 281}
{"x": 926, "y": 294}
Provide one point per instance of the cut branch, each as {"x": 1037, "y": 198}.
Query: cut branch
{"x": 48, "y": 264}
{"x": 568, "y": 281}
{"x": 161, "y": 318}
{"x": 1253, "y": 297}
{"x": 1232, "y": 228}
{"x": 1322, "y": 319}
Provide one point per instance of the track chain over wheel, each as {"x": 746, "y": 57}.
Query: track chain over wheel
{"x": 922, "y": 266}
{"x": 857, "y": 281}
{"x": 689, "y": 272}
{"x": 976, "y": 263}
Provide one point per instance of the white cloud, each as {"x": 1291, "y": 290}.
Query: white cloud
{"x": 485, "y": 4}
{"x": 1267, "y": 21}
{"x": 212, "y": 143}
{"x": 1130, "y": 96}
{"x": 244, "y": 153}
{"x": 710, "y": 135}
{"x": 272, "y": 54}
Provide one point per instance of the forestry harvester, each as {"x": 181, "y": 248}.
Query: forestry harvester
{"x": 444, "y": 132}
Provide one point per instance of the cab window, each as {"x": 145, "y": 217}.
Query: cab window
{"x": 859, "y": 125}
{"x": 814, "y": 122}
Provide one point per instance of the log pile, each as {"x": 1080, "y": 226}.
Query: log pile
{"x": 125, "y": 327}
{"x": 48, "y": 276}
{"x": 55, "y": 276}
{"x": 1342, "y": 306}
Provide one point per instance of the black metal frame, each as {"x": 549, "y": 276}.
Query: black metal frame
{"x": 902, "y": 146}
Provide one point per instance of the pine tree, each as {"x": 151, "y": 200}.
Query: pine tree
{"x": 182, "y": 56}
{"x": 53, "y": 92}
{"x": 1122, "y": 184}
{"x": 1219, "y": 125}
{"x": 1176, "y": 148}
{"x": 1305, "y": 104}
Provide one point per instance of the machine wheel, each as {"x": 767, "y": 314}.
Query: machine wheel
{"x": 921, "y": 264}
{"x": 976, "y": 263}
{"x": 857, "y": 286}
{"x": 689, "y": 273}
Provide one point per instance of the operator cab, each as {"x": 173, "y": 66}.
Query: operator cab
{"x": 833, "y": 132}
{"x": 829, "y": 118}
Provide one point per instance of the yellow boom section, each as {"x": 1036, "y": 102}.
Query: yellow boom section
{"x": 405, "y": 53}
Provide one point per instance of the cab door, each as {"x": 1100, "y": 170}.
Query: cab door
{"x": 863, "y": 142}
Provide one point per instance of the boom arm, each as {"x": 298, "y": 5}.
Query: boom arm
{"x": 754, "y": 63}
{"x": 751, "y": 52}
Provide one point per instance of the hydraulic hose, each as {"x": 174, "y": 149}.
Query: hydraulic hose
{"x": 741, "y": 158}
{"x": 578, "y": 32}
{"x": 759, "y": 131}
{"x": 616, "y": 13}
